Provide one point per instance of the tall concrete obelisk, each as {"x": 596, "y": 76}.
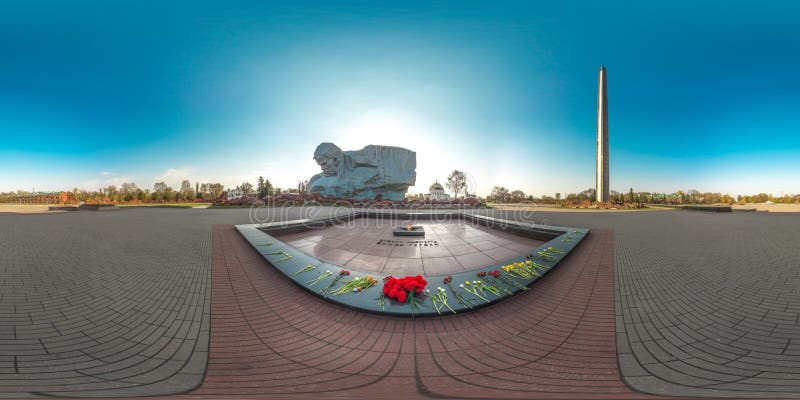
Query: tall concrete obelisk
{"x": 602, "y": 138}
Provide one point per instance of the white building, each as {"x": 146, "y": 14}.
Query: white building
{"x": 437, "y": 192}
{"x": 234, "y": 194}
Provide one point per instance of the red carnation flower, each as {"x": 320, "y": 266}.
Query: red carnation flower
{"x": 401, "y": 288}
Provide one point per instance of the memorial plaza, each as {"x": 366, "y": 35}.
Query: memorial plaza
{"x": 399, "y": 200}
{"x": 174, "y": 302}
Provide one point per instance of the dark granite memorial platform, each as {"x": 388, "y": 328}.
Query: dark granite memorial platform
{"x": 295, "y": 261}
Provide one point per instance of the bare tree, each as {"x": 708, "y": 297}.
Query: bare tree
{"x": 456, "y": 182}
{"x": 246, "y": 187}
{"x": 160, "y": 187}
{"x": 499, "y": 194}
{"x": 129, "y": 188}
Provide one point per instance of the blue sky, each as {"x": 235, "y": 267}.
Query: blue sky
{"x": 702, "y": 95}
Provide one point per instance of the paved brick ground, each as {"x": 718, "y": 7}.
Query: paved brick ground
{"x": 270, "y": 338}
{"x": 707, "y": 304}
{"x": 117, "y": 304}
{"x": 714, "y": 310}
{"x": 112, "y": 303}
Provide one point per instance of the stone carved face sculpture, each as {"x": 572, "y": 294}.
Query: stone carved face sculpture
{"x": 327, "y": 155}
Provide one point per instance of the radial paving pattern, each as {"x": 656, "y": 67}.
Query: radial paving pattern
{"x": 93, "y": 306}
{"x": 707, "y": 304}
{"x": 271, "y": 338}
{"x": 123, "y": 303}
{"x": 714, "y": 311}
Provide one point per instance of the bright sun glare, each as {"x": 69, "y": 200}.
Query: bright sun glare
{"x": 397, "y": 128}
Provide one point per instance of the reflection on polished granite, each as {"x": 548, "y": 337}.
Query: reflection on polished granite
{"x": 448, "y": 246}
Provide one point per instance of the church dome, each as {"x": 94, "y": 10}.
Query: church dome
{"x": 436, "y": 186}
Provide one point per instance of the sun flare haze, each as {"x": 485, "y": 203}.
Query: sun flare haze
{"x": 699, "y": 98}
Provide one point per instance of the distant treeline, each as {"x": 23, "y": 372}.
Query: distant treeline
{"x": 500, "y": 194}
{"x": 130, "y": 192}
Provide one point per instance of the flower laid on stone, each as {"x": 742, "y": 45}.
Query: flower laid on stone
{"x": 329, "y": 288}
{"x": 381, "y": 300}
{"x": 524, "y": 270}
{"x": 405, "y": 289}
{"x": 440, "y": 300}
{"x": 461, "y": 299}
{"x": 568, "y": 237}
{"x": 483, "y": 288}
{"x": 274, "y": 253}
{"x": 536, "y": 266}
{"x": 492, "y": 276}
{"x": 322, "y": 275}
{"x": 356, "y": 285}
{"x": 307, "y": 268}
{"x": 382, "y": 297}
{"x": 505, "y": 280}
{"x": 473, "y": 289}
{"x": 546, "y": 255}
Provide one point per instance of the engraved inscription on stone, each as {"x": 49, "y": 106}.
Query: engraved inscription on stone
{"x": 413, "y": 243}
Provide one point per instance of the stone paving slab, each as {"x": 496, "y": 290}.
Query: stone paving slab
{"x": 715, "y": 310}
{"x": 271, "y": 339}
{"x": 705, "y": 305}
{"x": 103, "y": 305}
{"x": 358, "y": 245}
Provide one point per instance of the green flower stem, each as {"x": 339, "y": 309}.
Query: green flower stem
{"x": 461, "y": 299}
{"x": 328, "y": 289}
{"x": 414, "y": 302}
{"x": 322, "y": 276}
{"x": 538, "y": 267}
{"x": 510, "y": 282}
{"x": 500, "y": 285}
{"x": 354, "y": 284}
{"x": 436, "y": 305}
{"x": 440, "y": 300}
{"x": 381, "y": 300}
{"x": 307, "y": 268}
{"x": 474, "y": 292}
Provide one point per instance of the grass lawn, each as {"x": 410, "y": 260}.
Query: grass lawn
{"x": 168, "y": 205}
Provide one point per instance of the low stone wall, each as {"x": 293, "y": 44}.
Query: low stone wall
{"x": 292, "y": 263}
{"x": 696, "y": 207}
{"x": 98, "y": 207}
